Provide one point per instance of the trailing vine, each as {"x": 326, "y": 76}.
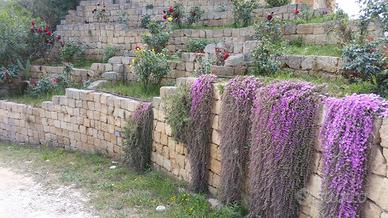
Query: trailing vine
{"x": 177, "y": 108}
{"x": 283, "y": 135}
{"x": 200, "y": 133}
{"x": 138, "y": 138}
{"x": 347, "y": 136}
{"x": 235, "y": 126}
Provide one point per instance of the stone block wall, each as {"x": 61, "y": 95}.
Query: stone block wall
{"x": 170, "y": 156}
{"x": 77, "y": 75}
{"x": 82, "y": 120}
{"x": 93, "y": 122}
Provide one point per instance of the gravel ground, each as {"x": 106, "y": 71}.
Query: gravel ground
{"x": 21, "y": 196}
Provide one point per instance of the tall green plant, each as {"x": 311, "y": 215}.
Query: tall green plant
{"x": 138, "y": 138}
{"x": 242, "y": 12}
{"x": 158, "y": 36}
{"x": 177, "y": 108}
{"x": 277, "y": 3}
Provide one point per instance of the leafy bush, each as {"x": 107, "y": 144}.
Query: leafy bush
{"x": 50, "y": 84}
{"x": 277, "y": 3}
{"x": 204, "y": 65}
{"x": 150, "y": 67}
{"x": 347, "y": 136}
{"x": 145, "y": 20}
{"x": 158, "y": 36}
{"x": 138, "y": 138}
{"x": 177, "y": 108}
{"x": 363, "y": 60}
{"x": 8, "y": 75}
{"x": 242, "y": 12}
{"x": 235, "y": 121}
{"x": 110, "y": 52}
{"x": 194, "y": 15}
{"x": 269, "y": 47}
{"x": 197, "y": 45}
{"x": 200, "y": 133}
{"x": 374, "y": 10}
{"x": 284, "y": 120}
{"x": 14, "y": 34}
{"x": 72, "y": 50}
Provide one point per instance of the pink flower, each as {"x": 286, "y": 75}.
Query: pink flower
{"x": 296, "y": 11}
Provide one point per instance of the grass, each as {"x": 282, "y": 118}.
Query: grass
{"x": 34, "y": 101}
{"x": 81, "y": 64}
{"x": 317, "y": 19}
{"x": 319, "y": 50}
{"x": 334, "y": 86}
{"x": 114, "y": 193}
{"x": 133, "y": 89}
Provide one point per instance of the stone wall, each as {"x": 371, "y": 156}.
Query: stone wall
{"x": 93, "y": 122}
{"x": 83, "y": 120}
{"x": 77, "y": 75}
{"x": 171, "y": 156}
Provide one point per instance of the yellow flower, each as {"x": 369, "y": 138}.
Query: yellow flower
{"x": 170, "y": 19}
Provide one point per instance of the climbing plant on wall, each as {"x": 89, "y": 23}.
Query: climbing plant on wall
{"x": 235, "y": 127}
{"x": 199, "y": 134}
{"x": 283, "y": 136}
{"x": 347, "y": 136}
{"x": 138, "y": 138}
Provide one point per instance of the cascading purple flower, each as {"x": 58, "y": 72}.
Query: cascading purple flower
{"x": 347, "y": 136}
{"x": 200, "y": 133}
{"x": 284, "y": 127}
{"x": 139, "y": 112}
{"x": 235, "y": 126}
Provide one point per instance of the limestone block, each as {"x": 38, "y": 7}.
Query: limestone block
{"x": 375, "y": 187}
{"x": 115, "y": 60}
{"x": 305, "y": 29}
{"x": 327, "y": 64}
{"x": 308, "y": 62}
{"x": 384, "y": 133}
{"x": 235, "y": 60}
{"x": 167, "y": 90}
{"x": 314, "y": 185}
{"x": 215, "y": 166}
{"x": 111, "y": 76}
{"x": 370, "y": 209}
{"x": 378, "y": 162}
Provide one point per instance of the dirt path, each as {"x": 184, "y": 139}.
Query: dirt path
{"x": 21, "y": 196}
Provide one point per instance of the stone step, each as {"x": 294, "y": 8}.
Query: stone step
{"x": 111, "y": 76}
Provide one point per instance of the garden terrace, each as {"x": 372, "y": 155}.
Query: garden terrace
{"x": 93, "y": 121}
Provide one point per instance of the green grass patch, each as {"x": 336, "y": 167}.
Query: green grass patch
{"x": 114, "y": 193}
{"x": 317, "y": 19}
{"x": 84, "y": 64}
{"x": 334, "y": 86}
{"x": 133, "y": 89}
{"x": 34, "y": 101}
{"x": 319, "y": 50}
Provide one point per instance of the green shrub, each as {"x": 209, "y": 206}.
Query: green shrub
{"x": 277, "y": 3}
{"x": 51, "y": 83}
{"x": 158, "y": 36}
{"x": 197, "y": 45}
{"x": 138, "y": 138}
{"x": 14, "y": 34}
{"x": 145, "y": 20}
{"x": 109, "y": 52}
{"x": 72, "y": 50}
{"x": 269, "y": 47}
{"x": 194, "y": 15}
{"x": 242, "y": 12}
{"x": 205, "y": 66}
{"x": 150, "y": 67}
{"x": 9, "y": 74}
{"x": 363, "y": 60}
{"x": 177, "y": 108}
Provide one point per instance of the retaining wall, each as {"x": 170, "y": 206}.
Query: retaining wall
{"x": 93, "y": 122}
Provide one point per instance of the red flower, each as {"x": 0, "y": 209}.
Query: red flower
{"x": 270, "y": 16}
{"x": 33, "y": 22}
{"x": 296, "y": 11}
{"x": 226, "y": 55}
{"x": 47, "y": 29}
{"x": 40, "y": 30}
{"x": 49, "y": 33}
{"x": 165, "y": 17}
{"x": 171, "y": 9}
